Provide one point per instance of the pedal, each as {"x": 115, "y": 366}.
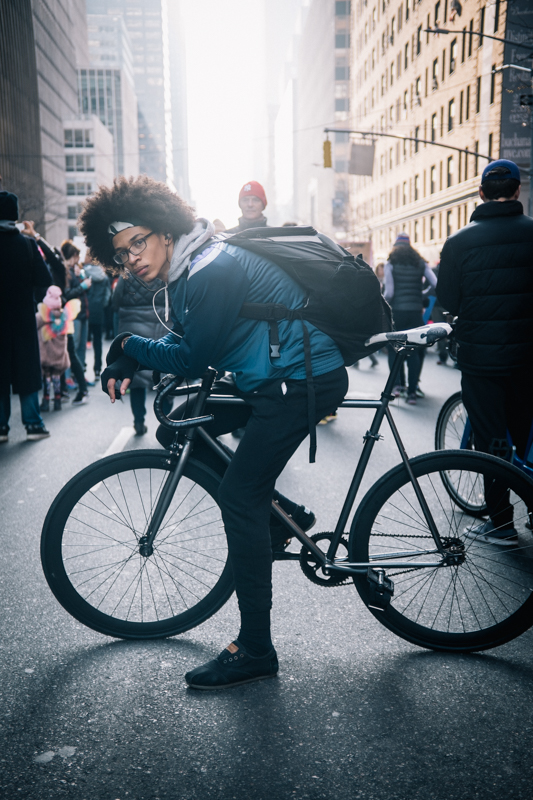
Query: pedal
{"x": 381, "y": 589}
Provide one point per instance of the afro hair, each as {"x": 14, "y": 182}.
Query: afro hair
{"x": 132, "y": 198}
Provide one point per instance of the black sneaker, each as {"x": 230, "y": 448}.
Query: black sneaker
{"x": 45, "y": 404}
{"x": 140, "y": 428}
{"x": 57, "y": 403}
{"x": 4, "y": 433}
{"x": 36, "y": 432}
{"x": 233, "y": 667}
{"x": 304, "y": 518}
{"x": 80, "y": 399}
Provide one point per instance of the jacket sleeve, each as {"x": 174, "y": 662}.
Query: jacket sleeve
{"x": 449, "y": 280}
{"x": 40, "y": 273}
{"x": 214, "y": 298}
{"x": 117, "y": 294}
{"x": 55, "y": 263}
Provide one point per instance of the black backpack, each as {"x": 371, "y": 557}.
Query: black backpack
{"x": 344, "y": 297}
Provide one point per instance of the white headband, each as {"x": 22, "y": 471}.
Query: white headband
{"x": 116, "y": 227}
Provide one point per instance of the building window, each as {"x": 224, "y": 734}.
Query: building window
{"x": 392, "y": 73}
{"x": 342, "y": 104}
{"x": 463, "y": 46}
{"x": 496, "y": 16}
{"x": 481, "y": 26}
{"x": 433, "y": 127}
{"x": 72, "y": 212}
{"x": 416, "y": 231}
{"x": 435, "y": 76}
{"x": 404, "y": 193}
{"x": 453, "y": 55}
{"x": 432, "y": 227}
{"x": 461, "y": 103}
{"x": 433, "y": 180}
{"x": 442, "y": 120}
{"x": 443, "y": 75}
{"x": 476, "y": 160}
{"x": 437, "y": 13}
{"x": 470, "y": 37}
{"x": 406, "y": 56}
{"x": 342, "y": 73}
{"x": 416, "y": 187}
{"x": 417, "y": 136}
{"x": 419, "y": 40}
{"x": 68, "y": 138}
{"x": 492, "y": 84}
{"x": 406, "y": 10}
{"x": 405, "y": 102}
{"x": 78, "y": 138}
{"x": 490, "y": 145}
{"x": 451, "y": 114}
{"x": 467, "y": 103}
{"x": 392, "y": 27}
{"x": 342, "y": 40}
{"x": 80, "y": 163}
{"x": 342, "y": 8}
{"x": 69, "y": 163}
{"x": 71, "y": 189}
{"x": 478, "y": 95}
{"x": 449, "y": 171}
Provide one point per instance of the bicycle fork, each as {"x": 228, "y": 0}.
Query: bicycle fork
{"x": 179, "y": 457}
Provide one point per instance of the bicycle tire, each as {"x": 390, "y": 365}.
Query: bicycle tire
{"x": 478, "y": 604}
{"x": 91, "y": 559}
{"x": 449, "y": 432}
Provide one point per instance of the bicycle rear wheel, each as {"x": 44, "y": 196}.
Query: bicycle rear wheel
{"x": 483, "y": 599}
{"x": 90, "y": 548}
{"x": 450, "y": 430}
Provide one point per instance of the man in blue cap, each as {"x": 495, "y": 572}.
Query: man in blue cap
{"x": 486, "y": 279}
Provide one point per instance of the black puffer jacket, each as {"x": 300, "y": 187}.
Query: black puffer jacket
{"x": 486, "y": 278}
{"x": 133, "y": 301}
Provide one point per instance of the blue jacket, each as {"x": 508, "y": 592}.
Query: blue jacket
{"x": 206, "y": 301}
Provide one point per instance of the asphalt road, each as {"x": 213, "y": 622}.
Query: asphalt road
{"x": 354, "y": 713}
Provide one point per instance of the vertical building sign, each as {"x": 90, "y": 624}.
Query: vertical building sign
{"x": 515, "y": 137}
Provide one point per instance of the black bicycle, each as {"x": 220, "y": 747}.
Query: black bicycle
{"x": 134, "y": 546}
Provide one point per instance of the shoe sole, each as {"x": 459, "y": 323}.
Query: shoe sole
{"x": 34, "y": 437}
{"x": 229, "y": 685}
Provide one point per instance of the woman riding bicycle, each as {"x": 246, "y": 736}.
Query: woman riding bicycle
{"x": 141, "y": 227}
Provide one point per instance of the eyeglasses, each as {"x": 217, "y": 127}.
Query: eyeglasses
{"x": 136, "y": 249}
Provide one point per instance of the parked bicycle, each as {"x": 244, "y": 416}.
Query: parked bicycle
{"x": 134, "y": 546}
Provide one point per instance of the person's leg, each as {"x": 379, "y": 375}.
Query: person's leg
{"x": 519, "y": 409}
{"x": 75, "y": 366}
{"x": 29, "y": 408}
{"x": 81, "y": 348}
{"x": 277, "y": 426}
{"x": 484, "y": 400}
{"x": 56, "y": 383}
{"x": 138, "y": 407}
{"x": 97, "y": 332}
{"x": 5, "y": 413}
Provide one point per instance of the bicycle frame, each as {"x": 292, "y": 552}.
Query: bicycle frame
{"x": 179, "y": 454}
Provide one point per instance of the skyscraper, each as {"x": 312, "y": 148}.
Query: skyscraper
{"x": 160, "y": 103}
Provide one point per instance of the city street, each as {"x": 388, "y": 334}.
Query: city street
{"x": 354, "y": 713}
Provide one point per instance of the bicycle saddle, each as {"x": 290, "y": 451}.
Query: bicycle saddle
{"x": 424, "y": 336}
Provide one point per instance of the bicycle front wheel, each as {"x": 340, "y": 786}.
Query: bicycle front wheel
{"x": 90, "y": 548}
{"x": 453, "y": 432}
{"x": 480, "y": 596}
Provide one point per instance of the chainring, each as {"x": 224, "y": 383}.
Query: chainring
{"x": 312, "y": 568}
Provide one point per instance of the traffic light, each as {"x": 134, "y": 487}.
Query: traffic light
{"x": 327, "y": 153}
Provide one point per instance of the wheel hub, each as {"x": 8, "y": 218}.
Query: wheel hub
{"x": 454, "y": 551}
{"x": 145, "y": 549}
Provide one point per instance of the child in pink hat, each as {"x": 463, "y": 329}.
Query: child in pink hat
{"x": 53, "y": 324}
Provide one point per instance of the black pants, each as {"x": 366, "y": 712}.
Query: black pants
{"x": 496, "y": 404}
{"x": 404, "y": 320}
{"x": 96, "y": 332}
{"x": 276, "y": 423}
{"x": 75, "y": 366}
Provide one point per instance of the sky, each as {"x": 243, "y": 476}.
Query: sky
{"x": 226, "y": 105}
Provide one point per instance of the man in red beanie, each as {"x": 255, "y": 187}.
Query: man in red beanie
{"x": 252, "y": 202}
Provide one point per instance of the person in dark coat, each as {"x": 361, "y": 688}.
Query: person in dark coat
{"x": 61, "y": 278}
{"x": 252, "y": 202}
{"x": 404, "y": 273}
{"x": 22, "y": 271}
{"x": 133, "y": 300}
{"x": 486, "y": 279}
{"x": 98, "y": 295}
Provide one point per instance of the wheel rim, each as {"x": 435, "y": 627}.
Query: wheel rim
{"x": 490, "y": 590}
{"x": 100, "y": 548}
